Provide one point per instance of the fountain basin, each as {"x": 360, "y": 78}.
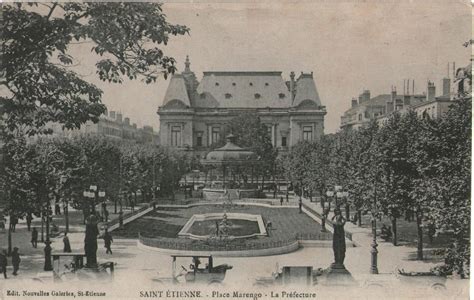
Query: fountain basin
{"x": 197, "y": 225}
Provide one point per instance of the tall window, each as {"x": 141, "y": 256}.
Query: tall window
{"x": 176, "y": 136}
{"x": 216, "y": 135}
{"x": 283, "y": 141}
{"x": 199, "y": 139}
{"x": 307, "y": 133}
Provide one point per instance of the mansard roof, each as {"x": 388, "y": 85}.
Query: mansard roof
{"x": 177, "y": 91}
{"x": 306, "y": 90}
{"x": 242, "y": 89}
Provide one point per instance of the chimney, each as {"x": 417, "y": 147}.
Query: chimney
{"x": 366, "y": 95}
{"x": 389, "y": 104}
{"x": 119, "y": 118}
{"x": 354, "y": 102}
{"x": 413, "y": 90}
{"x": 127, "y": 121}
{"x": 112, "y": 114}
{"x": 187, "y": 65}
{"x": 431, "y": 93}
{"x": 292, "y": 85}
{"x": 446, "y": 87}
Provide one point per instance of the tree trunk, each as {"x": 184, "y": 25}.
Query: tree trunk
{"x": 66, "y": 215}
{"x": 419, "y": 253}
{"x": 394, "y": 231}
{"x": 359, "y": 219}
{"x": 9, "y": 239}
{"x": 42, "y": 226}
{"x": 322, "y": 198}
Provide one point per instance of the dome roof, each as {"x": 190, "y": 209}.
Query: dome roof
{"x": 230, "y": 154}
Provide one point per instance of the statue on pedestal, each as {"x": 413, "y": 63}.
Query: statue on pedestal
{"x": 90, "y": 241}
{"x": 339, "y": 238}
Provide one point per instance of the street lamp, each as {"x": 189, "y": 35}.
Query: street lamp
{"x": 48, "y": 266}
{"x": 374, "y": 269}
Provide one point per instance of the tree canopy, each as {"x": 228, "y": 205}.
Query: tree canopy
{"x": 37, "y": 75}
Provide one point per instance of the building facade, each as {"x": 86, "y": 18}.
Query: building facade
{"x": 365, "y": 109}
{"x": 111, "y": 125}
{"x": 194, "y": 114}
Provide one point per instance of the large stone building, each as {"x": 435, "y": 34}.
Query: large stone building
{"x": 111, "y": 125}
{"x": 365, "y": 109}
{"x": 194, "y": 114}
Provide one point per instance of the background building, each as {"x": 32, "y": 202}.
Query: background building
{"x": 365, "y": 109}
{"x": 112, "y": 125}
{"x": 194, "y": 114}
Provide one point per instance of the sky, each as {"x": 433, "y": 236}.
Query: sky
{"x": 349, "y": 45}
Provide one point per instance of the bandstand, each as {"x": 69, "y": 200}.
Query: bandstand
{"x": 232, "y": 164}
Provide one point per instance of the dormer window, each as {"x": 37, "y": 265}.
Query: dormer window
{"x": 251, "y": 84}
{"x": 257, "y": 96}
{"x": 281, "y": 95}
{"x": 266, "y": 83}
{"x": 233, "y": 83}
{"x": 228, "y": 96}
{"x": 217, "y": 83}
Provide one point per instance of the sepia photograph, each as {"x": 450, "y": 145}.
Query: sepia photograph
{"x": 226, "y": 149}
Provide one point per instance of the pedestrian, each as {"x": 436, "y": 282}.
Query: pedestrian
{"x": 67, "y": 244}
{"x": 300, "y": 205}
{"x": 287, "y": 197}
{"x": 106, "y": 215}
{"x": 34, "y": 237}
{"x": 121, "y": 219}
{"x": 57, "y": 209}
{"x": 108, "y": 241}
{"x": 29, "y": 218}
{"x": 431, "y": 232}
{"x": 2, "y": 220}
{"x": 281, "y": 201}
{"x": 16, "y": 260}
{"x": 13, "y": 222}
{"x": 3, "y": 263}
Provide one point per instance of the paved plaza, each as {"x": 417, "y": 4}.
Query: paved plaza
{"x": 138, "y": 267}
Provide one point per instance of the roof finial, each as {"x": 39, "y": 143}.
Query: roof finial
{"x": 187, "y": 64}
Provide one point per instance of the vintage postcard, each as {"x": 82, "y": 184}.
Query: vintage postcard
{"x": 233, "y": 149}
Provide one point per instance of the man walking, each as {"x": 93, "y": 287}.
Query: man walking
{"x": 34, "y": 237}
{"x": 16, "y": 261}
{"x": 3, "y": 263}
{"x": 29, "y": 218}
{"x": 108, "y": 242}
{"x": 281, "y": 201}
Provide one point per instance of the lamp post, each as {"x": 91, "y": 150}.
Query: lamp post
{"x": 374, "y": 269}
{"x": 48, "y": 266}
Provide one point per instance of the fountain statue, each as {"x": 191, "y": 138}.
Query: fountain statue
{"x": 224, "y": 226}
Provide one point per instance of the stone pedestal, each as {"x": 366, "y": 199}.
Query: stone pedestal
{"x": 338, "y": 275}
